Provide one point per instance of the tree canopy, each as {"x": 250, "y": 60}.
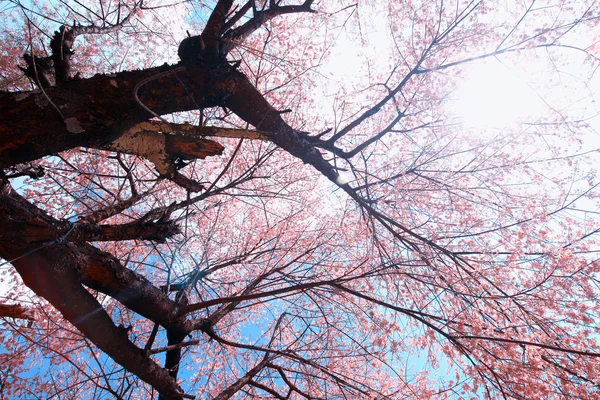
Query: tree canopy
{"x": 277, "y": 199}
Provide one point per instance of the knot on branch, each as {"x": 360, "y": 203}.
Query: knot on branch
{"x": 194, "y": 51}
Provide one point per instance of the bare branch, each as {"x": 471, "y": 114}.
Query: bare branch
{"x": 237, "y": 35}
{"x": 174, "y": 347}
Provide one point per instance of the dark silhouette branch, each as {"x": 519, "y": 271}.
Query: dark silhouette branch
{"x": 235, "y": 36}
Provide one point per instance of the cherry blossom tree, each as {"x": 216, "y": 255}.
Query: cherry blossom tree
{"x": 273, "y": 199}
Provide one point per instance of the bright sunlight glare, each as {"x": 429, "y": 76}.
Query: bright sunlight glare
{"x": 492, "y": 95}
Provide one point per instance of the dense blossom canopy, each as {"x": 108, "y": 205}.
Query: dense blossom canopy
{"x": 282, "y": 199}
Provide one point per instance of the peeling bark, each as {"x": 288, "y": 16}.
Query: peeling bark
{"x": 194, "y": 131}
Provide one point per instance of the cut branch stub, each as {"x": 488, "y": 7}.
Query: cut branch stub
{"x": 207, "y": 47}
{"x": 150, "y": 140}
{"x": 61, "y": 45}
{"x": 192, "y": 148}
{"x": 17, "y": 311}
{"x": 163, "y": 149}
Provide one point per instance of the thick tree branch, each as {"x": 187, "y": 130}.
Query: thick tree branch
{"x": 47, "y": 275}
{"x": 55, "y": 270}
{"x": 16, "y": 311}
{"x": 96, "y": 111}
{"x": 237, "y": 15}
{"x": 136, "y": 230}
{"x": 175, "y": 337}
{"x": 211, "y": 35}
{"x": 207, "y": 48}
{"x": 45, "y": 236}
